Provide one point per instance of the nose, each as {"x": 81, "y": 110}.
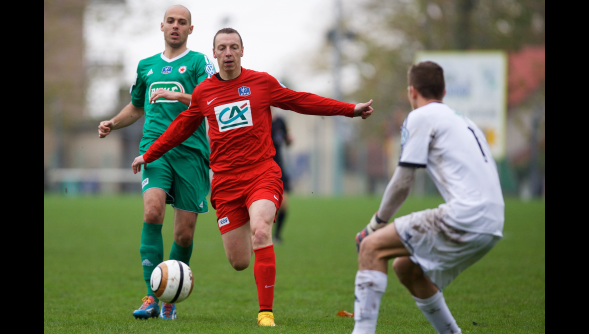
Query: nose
{"x": 227, "y": 52}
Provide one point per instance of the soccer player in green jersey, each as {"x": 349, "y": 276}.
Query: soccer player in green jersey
{"x": 161, "y": 91}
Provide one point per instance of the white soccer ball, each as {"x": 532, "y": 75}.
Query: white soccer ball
{"x": 172, "y": 281}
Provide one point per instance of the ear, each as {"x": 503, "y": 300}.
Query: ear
{"x": 190, "y": 30}
{"x": 162, "y": 26}
{"x": 214, "y": 54}
{"x": 241, "y": 51}
{"x": 413, "y": 92}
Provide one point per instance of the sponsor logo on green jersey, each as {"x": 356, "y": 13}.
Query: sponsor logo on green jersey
{"x": 172, "y": 86}
{"x": 234, "y": 115}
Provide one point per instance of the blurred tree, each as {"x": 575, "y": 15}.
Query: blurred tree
{"x": 63, "y": 57}
{"x": 391, "y": 32}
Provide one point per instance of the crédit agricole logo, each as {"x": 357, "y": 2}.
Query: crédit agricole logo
{"x": 234, "y": 115}
{"x": 172, "y": 86}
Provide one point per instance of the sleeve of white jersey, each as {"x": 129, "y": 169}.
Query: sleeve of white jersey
{"x": 416, "y": 135}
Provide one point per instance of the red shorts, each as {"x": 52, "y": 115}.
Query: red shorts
{"x": 233, "y": 193}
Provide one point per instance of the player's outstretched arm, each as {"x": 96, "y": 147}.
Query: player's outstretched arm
{"x": 169, "y": 95}
{"x": 129, "y": 115}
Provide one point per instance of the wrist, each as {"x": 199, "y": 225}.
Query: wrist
{"x": 378, "y": 220}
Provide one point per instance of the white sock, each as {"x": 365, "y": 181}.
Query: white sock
{"x": 370, "y": 286}
{"x": 438, "y": 314}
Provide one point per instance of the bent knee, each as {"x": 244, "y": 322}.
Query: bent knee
{"x": 368, "y": 248}
{"x": 239, "y": 263}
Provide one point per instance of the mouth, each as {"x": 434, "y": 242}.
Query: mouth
{"x": 175, "y": 35}
{"x": 229, "y": 63}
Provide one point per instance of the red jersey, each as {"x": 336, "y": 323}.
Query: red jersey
{"x": 240, "y": 121}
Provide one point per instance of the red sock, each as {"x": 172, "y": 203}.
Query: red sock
{"x": 265, "y": 274}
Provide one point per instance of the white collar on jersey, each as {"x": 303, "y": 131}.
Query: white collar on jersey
{"x": 175, "y": 58}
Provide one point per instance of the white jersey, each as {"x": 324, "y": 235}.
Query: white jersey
{"x": 458, "y": 158}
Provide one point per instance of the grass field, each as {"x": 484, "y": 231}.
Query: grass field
{"x": 93, "y": 278}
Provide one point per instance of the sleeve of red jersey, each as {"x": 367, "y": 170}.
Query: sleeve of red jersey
{"x": 181, "y": 128}
{"x": 306, "y": 103}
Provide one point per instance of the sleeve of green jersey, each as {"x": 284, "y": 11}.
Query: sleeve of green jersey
{"x": 206, "y": 70}
{"x": 138, "y": 89}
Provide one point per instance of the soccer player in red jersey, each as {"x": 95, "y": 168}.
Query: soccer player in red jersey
{"x": 246, "y": 186}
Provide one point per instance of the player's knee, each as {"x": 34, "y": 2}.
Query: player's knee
{"x": 261, "y": 237}
{"x": 153, "y": 215}
{"x": 368, "y": 249}
{"x": 183, "y": 238}
{"x": 239, "y": 264}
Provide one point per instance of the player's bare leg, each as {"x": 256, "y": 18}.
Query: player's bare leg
{"x": 154, "y": 206}
{"x": 262, "y": 213}
{"x": 238, "y": 246}
{"x": 413, "y": 278}
{"x": 184, "y": 225}
{"x": 371, "y": 282}
{"x": 152, "y": 246}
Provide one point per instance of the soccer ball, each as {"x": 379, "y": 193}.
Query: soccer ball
{"x": 172, "y": 281}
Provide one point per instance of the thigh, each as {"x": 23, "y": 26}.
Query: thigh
{"x": 267, "y": 185}
{"x": 382, "y": 245}
{"x": 238, "y": 244}
{"x": 441, "y": 250}
{"x": 191, "y": 182}
{"x": 228, "y": 199}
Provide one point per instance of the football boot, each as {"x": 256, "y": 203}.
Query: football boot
{"x": 149, "y": 309}
{"x": 168, "y": 311}
{"x": 266, "y": 319}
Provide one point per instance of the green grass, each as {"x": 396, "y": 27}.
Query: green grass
{"x": 93, "y": 278}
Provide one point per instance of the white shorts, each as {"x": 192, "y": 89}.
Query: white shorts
{"x": 440, "y": 250}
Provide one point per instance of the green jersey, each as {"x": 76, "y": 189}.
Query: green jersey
{"x": 180, "y": 74}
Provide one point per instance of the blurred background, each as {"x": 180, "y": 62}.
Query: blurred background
{"x": 493, "y": 53}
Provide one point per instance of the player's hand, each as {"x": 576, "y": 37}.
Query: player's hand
{"x": 363, "y": 109}
{"x": 162, "y": 93}
{"x": 137, "y": 164}
{"x": 104, "y": 128}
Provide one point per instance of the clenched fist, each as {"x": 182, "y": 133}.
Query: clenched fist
{"x": 104, "y": 128}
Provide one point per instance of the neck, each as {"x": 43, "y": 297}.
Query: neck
{"x": 421, "y": 101}
{"x": 229, "y": 75}
{"x": 171, "y": 52}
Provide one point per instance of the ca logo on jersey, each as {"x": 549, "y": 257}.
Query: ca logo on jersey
{"x": 234, "y": 115}
{"x": 172, "y": 86}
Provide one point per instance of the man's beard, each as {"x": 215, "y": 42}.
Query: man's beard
{"x": 175, "y": 44}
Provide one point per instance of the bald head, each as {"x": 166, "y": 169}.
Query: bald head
{"x": 178, "y": 9}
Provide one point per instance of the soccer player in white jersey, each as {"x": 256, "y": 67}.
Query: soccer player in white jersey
{"x": 431, "y": 247}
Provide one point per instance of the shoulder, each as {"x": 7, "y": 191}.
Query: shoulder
{"x": 428, "y": 114}
{"x": 251, "y": 74}
{"x": 150, "y": 60}
{"x": 197, "y": 57}
{"x": 200, "y": 60}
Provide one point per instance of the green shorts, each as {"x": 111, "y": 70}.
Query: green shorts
{"x": 183, "y": 173}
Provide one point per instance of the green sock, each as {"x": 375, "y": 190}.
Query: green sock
{"x": 180, "y": 253}
{"x": 152, "y": 250}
